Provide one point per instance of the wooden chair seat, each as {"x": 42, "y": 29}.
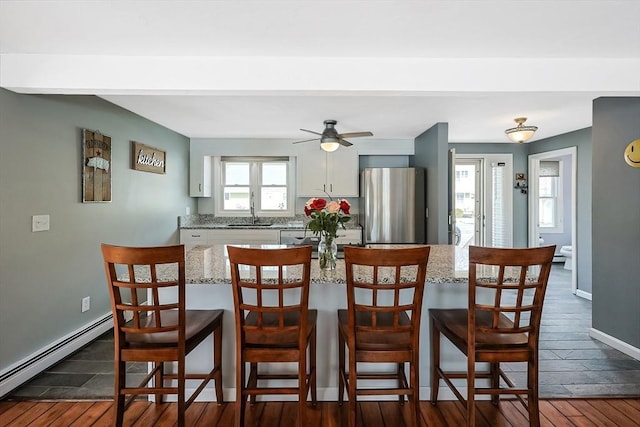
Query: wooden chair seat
{"x": 387, "y": 337}
{"x": 505, "y": 329}
{"x": 382, "y": 325}
{"x": 288, "y": 337}
{"x": 159, "y": 331}
{"x": 197, "y": 324}
{"x": 454, "y": 322}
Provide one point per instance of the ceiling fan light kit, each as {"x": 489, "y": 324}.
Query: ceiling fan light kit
{"x": 329, "y": 144}
{"x": 521, "y": 133}
{"x": 330, "y": 139}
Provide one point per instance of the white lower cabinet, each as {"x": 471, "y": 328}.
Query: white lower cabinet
{"x": 194, "y": 237}
{"x": 251, "y": 236}
{"x": 228, "y": 237}
{"x": 349, "y": 237}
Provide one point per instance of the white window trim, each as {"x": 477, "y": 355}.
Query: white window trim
{"x": 218, "y": 191}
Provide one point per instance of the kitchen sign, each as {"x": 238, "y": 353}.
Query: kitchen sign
{"x": 148, "y": 159}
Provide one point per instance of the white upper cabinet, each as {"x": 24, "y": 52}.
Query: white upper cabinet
{"x": 200, "y": 176}
{"x": 320, "y": 173}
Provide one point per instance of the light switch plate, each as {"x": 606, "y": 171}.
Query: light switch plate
{"x": 40, "y": 223}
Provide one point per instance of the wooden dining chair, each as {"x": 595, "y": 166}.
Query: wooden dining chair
{"x": 500, "y": 324}
{"x": 382, "y": 323}
{"x": 148, "y": 329}
{"x": 273, "y": 324}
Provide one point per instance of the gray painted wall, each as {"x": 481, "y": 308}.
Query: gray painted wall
{"x": 44, "y": 275}
{"x": 431, "y": 152}
{"x": 616, "y": 220}
{"x": 582, "y": 140}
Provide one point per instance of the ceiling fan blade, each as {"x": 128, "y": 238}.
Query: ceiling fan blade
{"x": 311, "y": 131}
{"x": 355, "y": 134}
{"x": 344, "y": 142}
{"x": 306, "y": 140}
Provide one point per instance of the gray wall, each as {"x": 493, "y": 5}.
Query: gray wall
{"x": 431, "y": 152}
{"x": 44, "y": 275}
{"x": 616, "y": 220}
{"x": 519, "y": 152}
{"x": 582, "y": 140}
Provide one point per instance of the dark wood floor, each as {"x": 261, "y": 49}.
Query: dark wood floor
{"x": 572, "y": 412}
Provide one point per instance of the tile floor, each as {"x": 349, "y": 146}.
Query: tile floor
{"x": 571, "y": 365}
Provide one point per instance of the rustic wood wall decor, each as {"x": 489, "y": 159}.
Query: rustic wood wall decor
{"x": 148, "y": 159}
{"x": 96, "y": 169}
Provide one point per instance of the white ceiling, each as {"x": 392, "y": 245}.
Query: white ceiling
{"x": 265, "y": 69}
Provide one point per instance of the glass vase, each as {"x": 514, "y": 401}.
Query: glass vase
{"x": 327, "y": 252}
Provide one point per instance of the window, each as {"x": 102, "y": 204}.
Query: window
{"x": 261, "y": 183}
{"x": 548, "y": 203}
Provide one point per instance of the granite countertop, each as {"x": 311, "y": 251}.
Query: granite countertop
{"x": 210, "y": 265}
{"x": 204, "y": 221}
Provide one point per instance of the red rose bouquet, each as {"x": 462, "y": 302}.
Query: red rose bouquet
{"x": 325, "y": 216}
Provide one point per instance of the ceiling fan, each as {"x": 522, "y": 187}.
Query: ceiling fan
{"x": 330, "y": 139}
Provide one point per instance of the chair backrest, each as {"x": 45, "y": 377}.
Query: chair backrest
{"x": 272, "y": 287}
{"x": 381, "y": 285}
{"x": 132, "y": 270}
{"x": 517, "y": 282}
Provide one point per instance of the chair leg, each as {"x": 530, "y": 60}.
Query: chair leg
{"x": 414, "y": 374}
{"x": 181, "y": 392}
{"x": 240, "y": 398}
{"x": 302, "y": 387}
{"x": 435, "y": 360}
{"x": 119, "y": 398}
{"x": 253, "y": 381}
{"x": 494, "y": 369}
{"x": 158, "y": 380}
{"x": 471, "y": 392}
{"x": 217, "y": 363}
{"x": 312, "y": 367}
{"x": 352, "y": 393}
{"x": 402, "y": 383}
{"x": 341, "y": 370}
{"x": 532, "y": 385}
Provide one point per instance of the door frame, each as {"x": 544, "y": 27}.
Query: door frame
{"x": 534, "y": 174}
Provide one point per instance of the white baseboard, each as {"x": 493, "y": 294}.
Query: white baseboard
{"x": 583, "y": 294}
{"x": 614, "y": 342}
{"x": 22, "y": 371}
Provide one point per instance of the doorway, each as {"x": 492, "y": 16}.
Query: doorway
{"x": 483, "y": 200}
{"x": 552, "y": 206}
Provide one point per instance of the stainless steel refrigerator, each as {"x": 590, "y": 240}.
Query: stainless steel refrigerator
{"x": 392, "y": 205}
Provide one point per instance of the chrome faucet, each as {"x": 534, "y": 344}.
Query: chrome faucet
{"x": 253, "y": 211}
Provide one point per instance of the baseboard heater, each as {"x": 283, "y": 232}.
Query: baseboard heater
{"x": 27, "y": 368}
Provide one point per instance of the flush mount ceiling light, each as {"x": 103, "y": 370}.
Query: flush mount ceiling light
{"x": 521, "y": 133}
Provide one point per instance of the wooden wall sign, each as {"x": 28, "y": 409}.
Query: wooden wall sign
{"x": 148, "y": 159}
{"x": 96, "y": 169}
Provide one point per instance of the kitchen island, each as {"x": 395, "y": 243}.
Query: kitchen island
{"x": 209, "y": 286}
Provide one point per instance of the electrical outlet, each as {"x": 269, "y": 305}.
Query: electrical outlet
{"x": 86, "y": 304}
{"x": 39, "y": 223}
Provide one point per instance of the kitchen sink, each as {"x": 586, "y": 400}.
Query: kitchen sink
{"x": 260, "y": 224}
